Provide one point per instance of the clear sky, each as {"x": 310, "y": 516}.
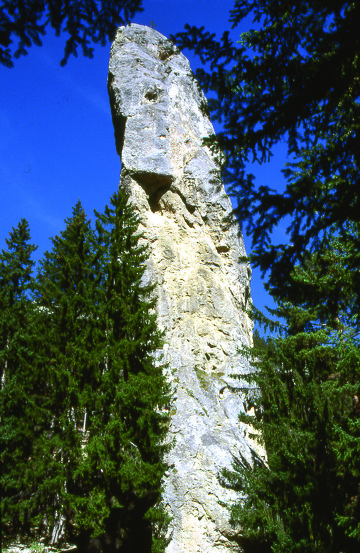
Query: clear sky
{"x": 57, "y": 141}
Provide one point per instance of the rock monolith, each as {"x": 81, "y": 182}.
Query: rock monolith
{"x": 160, "y": 120}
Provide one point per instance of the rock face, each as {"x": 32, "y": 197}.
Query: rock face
{"x": 160, "y": 119}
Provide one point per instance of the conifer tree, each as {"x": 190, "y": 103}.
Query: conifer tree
{"x": 305, "y": 497}
{"x": 17, "y": 411}
{"x": 15, "y": 284}
{"x": 67, "y": 296}
{"x": 292, "y": 80}
{"x": 96, "y": 463}
{"x": 83, "y": 21}
{"x": 124, "y": 457}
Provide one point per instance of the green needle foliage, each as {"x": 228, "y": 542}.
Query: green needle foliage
{"x": 16, "y": 282}
{"x": 94, "y": 467}
{"x": 18, "y": 407}
{"x": 293, "y": 79}
{"x": 124, "y": 455}
{"x": 69, "y": 344}
{"x": 305, "y": 497}
{"x": 84, "y": 22}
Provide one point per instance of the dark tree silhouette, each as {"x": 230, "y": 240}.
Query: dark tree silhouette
{"x": 83, "y": 21}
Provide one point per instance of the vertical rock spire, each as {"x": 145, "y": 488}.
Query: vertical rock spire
{"x": 160, "y": 120}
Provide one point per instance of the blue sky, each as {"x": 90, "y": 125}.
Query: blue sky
{"x": 57, "y": 142}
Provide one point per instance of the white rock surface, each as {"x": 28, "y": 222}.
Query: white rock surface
{"x": 160, "y": 120}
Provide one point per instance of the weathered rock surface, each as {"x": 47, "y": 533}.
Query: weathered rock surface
{"x": 160, "y": 119}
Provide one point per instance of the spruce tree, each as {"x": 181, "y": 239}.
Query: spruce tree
{"x": 67, "y": 296}
{"x": 293, "y": 79}
{"x": 96, "y": 460}
{"x": 15, "y": 284}
{"x": 84, "y": 21}
{"x": 290, "y": 80}
{"x": 305, "y": 497}
{"x": 18, "y": 412}
{"x": 123, "y": 463}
